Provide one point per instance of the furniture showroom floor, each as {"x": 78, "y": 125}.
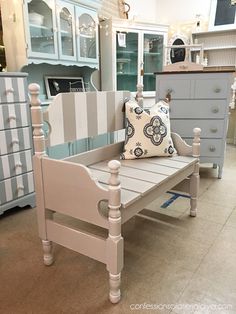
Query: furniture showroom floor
{"x": 171, "y": 260}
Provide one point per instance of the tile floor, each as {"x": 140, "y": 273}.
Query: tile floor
{"x": 171, "y": 260}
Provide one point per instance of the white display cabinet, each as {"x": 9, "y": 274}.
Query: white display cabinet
{"x": 51, "y": 31}
{"x": 130, "y": 53}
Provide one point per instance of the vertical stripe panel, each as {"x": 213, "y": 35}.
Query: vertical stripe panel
{"x": 1, "y": 119}
{"x": 21, "y": 89}
{"x": 3, "y": 141}
{"x": 23, "y": 114}
{"x": 25, "y": 183}
{"x": 92, "y": 113}
{"x": 1, "y": 168}
{"x": 27, "y": 159}
{"x": 6, "y": 166}
{"x": 55, "y": 117}
{"x": 110, "y": 111}
{"x": 119, "y": 114}
{"x": 26, "y": 138}
{"x": 102, "y": 113}
{"x": 16, "y": 89}
{"x": 5, "y": 112}
{"x": 8, "y": 190}
{"x": 3, "y": 91}
{"x": 69, "y": 117}
{"x": 2, "y": 192}
{"x": 30, "y": 182}
{"x": 81, "y": 115}
{"x": 9, "y": 87}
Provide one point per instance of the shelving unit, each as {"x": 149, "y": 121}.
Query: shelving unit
{"x": 219, "y": 46}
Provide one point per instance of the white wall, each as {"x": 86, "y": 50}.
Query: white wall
{"x": 169, "y": 11}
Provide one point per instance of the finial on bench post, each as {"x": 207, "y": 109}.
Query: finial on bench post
{"x": 37, "y": 120}
{"x": 114, "y": 241}
{"x": 139, "y": 95}
{"x": 194, "y": 179}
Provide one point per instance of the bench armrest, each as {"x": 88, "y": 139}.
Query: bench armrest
{"x": 183, "y": 149}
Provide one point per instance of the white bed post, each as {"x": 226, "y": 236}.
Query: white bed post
{"x": 114, "y": 248}
{"x": 39, "y": 151}
{"x": 194, "y": 179}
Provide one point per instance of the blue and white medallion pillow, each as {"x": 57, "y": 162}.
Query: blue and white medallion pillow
{"x": 147, "y": 133}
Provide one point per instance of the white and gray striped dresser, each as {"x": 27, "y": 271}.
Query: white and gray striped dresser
{"x": 16, "y": 175}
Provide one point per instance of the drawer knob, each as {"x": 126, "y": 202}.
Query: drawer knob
{"x": 15, "y": 141}
{"x": 215, "y": 110}
{"x": 212, "y": 148}
{"x": 9, "y": 90}
{"x": 214, "y": 130}
{"x": 19, "y": 164}
{"x": 217, "y": 90}
{"x": 20, "y": 188}
{"x": 13, "y": 117}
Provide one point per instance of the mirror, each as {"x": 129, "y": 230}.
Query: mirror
{"x": 177, "y": 54}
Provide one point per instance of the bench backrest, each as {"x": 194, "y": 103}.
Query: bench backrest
{"x": 74, "y": 116}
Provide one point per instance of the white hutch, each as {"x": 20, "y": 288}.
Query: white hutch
{"x": 51, "y": 38}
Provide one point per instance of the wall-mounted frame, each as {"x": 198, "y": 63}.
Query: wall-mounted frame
{"x": 222, "y": 15}
{"x": 55, "y": 85}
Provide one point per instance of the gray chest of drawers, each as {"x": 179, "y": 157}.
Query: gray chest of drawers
{"x": 16, "y": 175}
{"x": 199, "y": 99}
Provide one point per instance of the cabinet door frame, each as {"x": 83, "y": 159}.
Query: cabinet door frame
{"x": 70, "y": 7}
{"x": 78, "y": 12}
{"x": 30, "y": 52}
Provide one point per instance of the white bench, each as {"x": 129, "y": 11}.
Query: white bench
{"x": 77, "y": 186}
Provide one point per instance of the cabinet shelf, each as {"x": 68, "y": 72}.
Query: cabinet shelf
{"x": 124, "y": 74}
{"x": 146, "y": 53}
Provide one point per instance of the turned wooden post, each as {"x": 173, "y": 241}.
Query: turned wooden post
{"x": 39, "y": 152}
{"x": 37, "y": 120}
{"x": 115, "y": 249}
{"x": 139, "y": 95}
{"x": 194, "y": 179}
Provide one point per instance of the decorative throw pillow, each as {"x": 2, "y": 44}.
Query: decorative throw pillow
{"x": 147, "y": 133}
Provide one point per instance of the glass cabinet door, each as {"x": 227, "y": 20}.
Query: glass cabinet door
{"x": 152, "y": 59}
{"x": 87, "y": 35}
{"x": 41, "y": 28}
{"x": 66, "y": 31}
{"x": 126, "y": 61}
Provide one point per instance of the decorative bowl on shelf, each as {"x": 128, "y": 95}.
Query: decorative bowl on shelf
{"x": 36, "y": 18}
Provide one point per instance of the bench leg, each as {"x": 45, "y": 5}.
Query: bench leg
{"x": 47, "y": 249}
{"x": 194, "y": 187}
{"x": 114, "y": 242}
{"x": 115, "y": 256}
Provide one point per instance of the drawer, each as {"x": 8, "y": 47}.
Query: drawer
{"x": 15, "y": 140}
{"x": 213, "y": 88}
{"x": 210, "y": 147}
{"x": 15, "y": 164}
{"x": 15, "y": 187}
{"x": 202, "y": 109}
{"x": 12, "y": 89}
{"x": 209, "y": 128}
{"x": 179, "y": 88}
{"x": 14, "y": 116}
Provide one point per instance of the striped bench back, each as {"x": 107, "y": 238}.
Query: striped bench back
{"x": 74, "y": 116}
